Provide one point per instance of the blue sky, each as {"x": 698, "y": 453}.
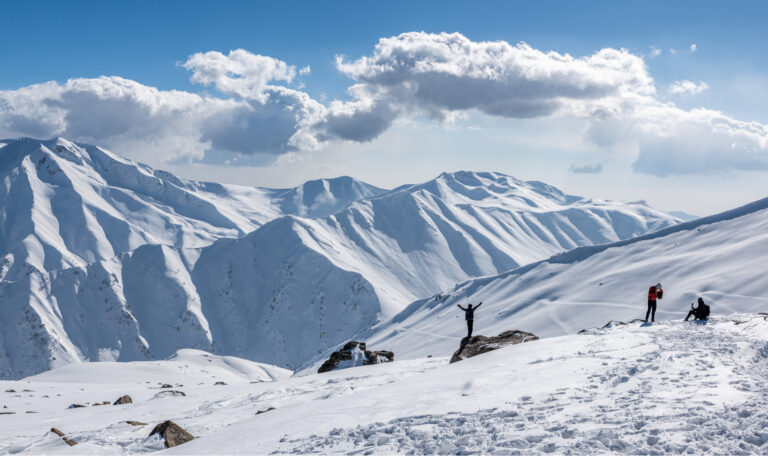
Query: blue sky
{"x": 147, "y": 42}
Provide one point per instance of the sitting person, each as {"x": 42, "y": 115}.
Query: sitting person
{"x": 699, "y": 313}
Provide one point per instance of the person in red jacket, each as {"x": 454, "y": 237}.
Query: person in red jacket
{"x": 654, "y": 293}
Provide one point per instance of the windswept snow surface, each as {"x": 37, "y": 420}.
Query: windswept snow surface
{"x": 721, "y": 258}
{"x": 106, "y": 259}
{"x": 672, "y": 387}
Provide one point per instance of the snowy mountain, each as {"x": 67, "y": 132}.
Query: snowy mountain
{"x": 66, "y": 205}
{"x": 720, "y": 258}
{"x": 109, "y": 260}
{"x": 671, "y": 388}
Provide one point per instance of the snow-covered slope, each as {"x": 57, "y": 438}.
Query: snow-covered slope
{"x": 721, "y": 258}
{"x": 136, "y": 284}
{"x": 64, "y": 204}
{"x": 671, "y": 388}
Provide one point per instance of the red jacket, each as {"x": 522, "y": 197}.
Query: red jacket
{"x": 653, "y": 294}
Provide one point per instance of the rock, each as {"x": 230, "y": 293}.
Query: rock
{"x": 265, "y": 411}
{"x": 166, "y": 385}
{"x": 31, "y": 411}
{"x": 27, "y": 391}
{"x": 135, "y": 423}
{"x": 10, "y": 390}
{"x": 101, "y": 403}
{"x": 63, "y": 437}
{"x": 172, "y": 433}
{"x": 123, "y": 400}
{"x": 169, "y": 393}
{"x": 477, "y": 345}
{"x": 354, "y": 354}
{"x": 76, "y": 406}
{"x": 220, "y": 383}
{"x": 7, "y": 413}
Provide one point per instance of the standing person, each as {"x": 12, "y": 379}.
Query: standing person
{"x": 654, "y": 293}
{"x": 469, "y": 315}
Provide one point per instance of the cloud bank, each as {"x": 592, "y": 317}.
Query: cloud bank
{"x": 258, "y": 108}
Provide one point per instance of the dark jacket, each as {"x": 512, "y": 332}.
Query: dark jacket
{"x": 469, "y": 312}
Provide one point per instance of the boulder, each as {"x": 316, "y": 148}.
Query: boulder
{"x": 172, "y": 433}
{"x": 57, "y": 432}
{"x": 354, "y": 354}
{"x": 123, "y": 400}
{"x": 477, "y": 345}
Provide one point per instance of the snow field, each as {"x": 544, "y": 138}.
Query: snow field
{"x": 671, "y": 387}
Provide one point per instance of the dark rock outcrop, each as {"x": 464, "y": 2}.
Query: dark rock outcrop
{"x": 76, "y": 406}
{"x": 355, "y": 354}
{"x": 123, "y": 400}
{"x": 477, "y": 345}
{"x": 265, "y": 411}
{"x": 136, "y": 423}
{"x": 172, "y": 433}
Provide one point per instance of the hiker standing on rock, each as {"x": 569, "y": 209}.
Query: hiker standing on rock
{"x": 469, "y": 315}
{"x": 654, "y": 293}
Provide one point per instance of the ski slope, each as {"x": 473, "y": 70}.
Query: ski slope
{"x": 720, "y": 258}
{"x": 673, "y": 387}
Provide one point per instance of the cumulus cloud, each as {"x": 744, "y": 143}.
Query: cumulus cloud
{"x": 596, "y": 168}
{"x": 258, "y": 110}
{"x": 686, "y": 87}
{"x": 692, "y": 48}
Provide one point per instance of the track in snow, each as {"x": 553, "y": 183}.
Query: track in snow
{"x": 668, "y": 400}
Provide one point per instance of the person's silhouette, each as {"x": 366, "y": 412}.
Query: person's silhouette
{"x": 469, "y": 315}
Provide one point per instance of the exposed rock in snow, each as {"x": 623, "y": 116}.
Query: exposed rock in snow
{"x": 172, "y": 434}
{"x": 477, "y": 345}
{"x": 354, "y": 354}
{"x": 169, "y": 393}
{"x": 125, "y": 399}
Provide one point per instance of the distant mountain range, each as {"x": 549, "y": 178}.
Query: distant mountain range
{"x": 107, "y": 259}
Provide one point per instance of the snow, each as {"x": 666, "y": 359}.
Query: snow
{"x": 671, "y": 387}
{"x": 110, "y": 259}
{"x": 720, "y": 258}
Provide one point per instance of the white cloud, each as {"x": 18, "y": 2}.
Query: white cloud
{"x": 692, "y": 48}
{"x": 686, "y": 87}
{"x": 259, "y": 113}
{"x": 655, "y": 52}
